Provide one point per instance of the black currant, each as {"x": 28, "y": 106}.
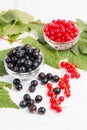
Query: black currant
{"x": 38, "y": 98}
{"x": 55, "y": 78}
{"x": 23, "y": 104}
{"x": 44, "y": 81}
{"x": 33, "y": 108}
{"x": 22, "y": 69}
{"x": 41, "y": 76}
{"x": 34, "y": 83}
{"x": 56, "y": 90}
{"x": 41, "y": 110}
{"x": 18, "y": 87}
{"x": 32, "y": 88}
{"x": 26, "y": 97}
{"x": 16, "y": 81}
{"x": 49, "y": 76}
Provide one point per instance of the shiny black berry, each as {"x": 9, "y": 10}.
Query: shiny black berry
{"x": 20, "y": 61}
{"x": 10, "y": 66}
{"x": 41, "y": 110}
{"x": 16, "y": 81}
{"x": 29, "y": 50}
{"x": 26, "y": 97}
{"x": 20, "y": 53}
{"x": 27, "y": 63}
{"x": 55, "y": 78}
{"x": 44, "y": 81}
{"x": 30, "y": 102}
{"x": 49, "y": 76}
{"x": 15, "y": 69}
{"x": 56, "y": 90}
{"x": 34, "y": 83}
{"x": 23, "y": 104}
{"x": 18, "y": 87}
{"x": 33, "y": 108}
{"x": 34, "y": 65}
{"x": 32, "y": 88}
{"x": 8, "y": 60}
{"x": 22, "y": 69}
{"x": 41, "y": 76}
{"x": 38, "y": 98}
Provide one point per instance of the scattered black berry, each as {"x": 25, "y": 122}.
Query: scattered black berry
{"x": 33, "y": 108}
{"x": 44, "y": 81}
{"x": 32, "y": 88}
{"x": 41, "y": 76}
{"x": 34, "y": 83}
{"x": 41, "y": 110}
{"x": 16, "y": 81}
{"x": 23, "y": 104}
{"x": 49, "y": 76}
{"x": 38, "y": 98}
{"x": 56, "y": 90}
{"x": 26, "y": 97}
{"x": 18, "y": 87}
{"x": 55, "y": 78}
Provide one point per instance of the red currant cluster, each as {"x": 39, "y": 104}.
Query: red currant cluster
{"x": 61, "y": 30}
{"x": 71, "y": 68}
{"x": 63, "y": 85}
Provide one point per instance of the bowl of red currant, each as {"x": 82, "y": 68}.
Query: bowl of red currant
{"x": 24, "y": 62}
{"x": 61, "y": 34}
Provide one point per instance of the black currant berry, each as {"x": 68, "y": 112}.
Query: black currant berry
{"x": 22, "y": 69}
{"x": 55, "y": 78}
{"x": 16, "y": 81}
{"x": 18, "y": 87}
{"x": 33, "y": 108}
{"x": 41, "y": 76}
{"x": 27, "y": 63}
{"x": 44, "y": 81}
{"x": 56, "y": 90}
{"x": 23, "y": 104}
{"x": 49, "y": 76}
{"x": 34, "y": 83}
{"x": 41, "y": 110}
{"x": 32, "y": 88}
{"x": 26, "y": 97}
{"x": 38, "y": 98}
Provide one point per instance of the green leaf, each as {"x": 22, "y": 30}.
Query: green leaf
{"x": 38, "y": 27}
{"x": 50, "y": 56}
{"x": 83, "y": 35}
{"x": 14, "y": 28}
{"x": 2, "y": 56}
{"x": 1, "y": 30}
{"x": 13, "y": 37}
{"x": 83, "y": 47}
{"x": 81, "y": 24}
{"x": 5, "y": 100}
{"x": 5, "y": 84}
{"x": 22, "y": 16}
{"x": 7, "y": 16}
{"x": 75, "y": 49}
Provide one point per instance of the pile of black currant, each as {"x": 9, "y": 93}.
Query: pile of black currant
{"x": 31, "y": 104}
{"x": 44, "y": 78}
{"x": 24, "y": 58}
{"x": 27, "y": 100}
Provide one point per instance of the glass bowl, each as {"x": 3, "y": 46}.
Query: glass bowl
{"x": 62, "y": 45}
{"x": 24, "y": 76}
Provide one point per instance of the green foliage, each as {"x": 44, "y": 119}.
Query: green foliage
{"x": 5, "y": 100}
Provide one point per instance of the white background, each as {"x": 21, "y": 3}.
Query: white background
{"x": 74, "y": 115}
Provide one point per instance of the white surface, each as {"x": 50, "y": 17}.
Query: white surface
{"x": 74, "y": 115}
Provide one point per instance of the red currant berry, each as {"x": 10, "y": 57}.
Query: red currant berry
{"x": 61, "y": 98}
{"x": 58, "y": 109}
